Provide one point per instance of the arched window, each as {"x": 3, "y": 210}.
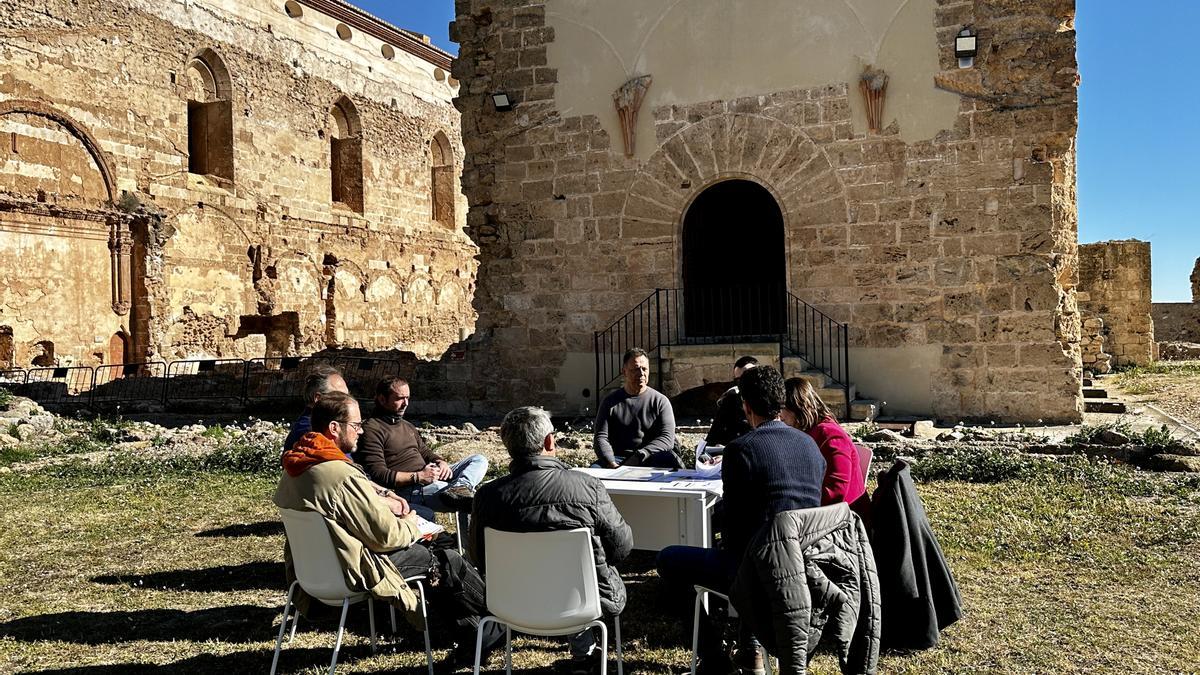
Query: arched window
{"x": 441, "y": 182}
{"x": 7, "y": 348}
{"x": 210, "y": 116}
{"x": 345, "y": 155}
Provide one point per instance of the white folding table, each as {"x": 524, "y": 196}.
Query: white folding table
{"x": 663, "y": 508}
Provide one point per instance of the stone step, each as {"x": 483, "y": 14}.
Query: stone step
{"x": 816, "y": 378}
{"x": 832, "y": 395}
{"x": 1091, "y": 392}
{"x": 1104, "y": 406}
{"x": 863, "y": 410}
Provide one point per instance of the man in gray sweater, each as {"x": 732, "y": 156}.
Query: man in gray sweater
{"x": 635, "y": 425}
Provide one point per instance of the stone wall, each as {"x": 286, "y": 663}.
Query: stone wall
{"x": 128, "y": 223}
{"x": 955, "y": 249}
{"x": 1176, "y": 321}
{"x": 1114, "y": 284}
{"x": 1091, "y": 346}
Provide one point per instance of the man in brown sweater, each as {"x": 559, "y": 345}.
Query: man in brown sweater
{"x": 392, "y": 452}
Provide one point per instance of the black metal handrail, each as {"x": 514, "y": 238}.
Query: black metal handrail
{"x": 720, "y": 315}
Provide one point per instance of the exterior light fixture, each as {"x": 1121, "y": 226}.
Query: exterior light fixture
{"x": 965, "y": 44}
{"x": 502, "y": 102}
{"x": 966, "y": 47}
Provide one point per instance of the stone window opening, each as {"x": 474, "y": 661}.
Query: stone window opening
{"x": 345, "y": 155}
{"x": 293, "y": 9}
{"x": 43, "y": 355}
{"x": 6, "y": 347}
{"x": 344, "y": 32}
{"x": 210, "y": 117}
{"x": 441, "y": 182}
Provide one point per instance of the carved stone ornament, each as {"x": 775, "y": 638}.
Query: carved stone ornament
{"x": 873, "y": 84}
{"x": 628, "y": 100}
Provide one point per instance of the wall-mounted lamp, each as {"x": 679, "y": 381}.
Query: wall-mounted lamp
{"x": 502, "y": 102}
{"x": 966, "y": 47}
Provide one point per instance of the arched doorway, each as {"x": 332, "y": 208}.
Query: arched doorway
{"x": 734, "y": 275}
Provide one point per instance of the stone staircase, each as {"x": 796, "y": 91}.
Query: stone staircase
{"x": 834, "y": 396}
{"x": 1096, "y": 400}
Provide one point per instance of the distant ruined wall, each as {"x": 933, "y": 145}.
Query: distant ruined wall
{"x": 167, "y": 183}
{"x": 947, "y": 241}
{"x": 1114, "y": 284}
{"x": 1179, "y": 321}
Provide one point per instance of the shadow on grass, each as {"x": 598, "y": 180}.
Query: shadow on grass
{"x": 259, "y": 660}
{"x": 237, "y": 623}
{"x": 266, "y": 528}
{"x": 261, "y": 575}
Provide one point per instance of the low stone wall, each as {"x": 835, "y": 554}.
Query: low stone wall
{"x": 1176, "y": 321}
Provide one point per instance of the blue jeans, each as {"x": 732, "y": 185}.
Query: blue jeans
{"x": 468, "y": 471}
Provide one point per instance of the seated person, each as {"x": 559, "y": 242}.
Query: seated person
{"x": 322, "y": 380}
{"x": 730, "y": 422}
{"x": 635, "y": 425}
{"x": 771, "y": 469}
{"x": 375, "y": 535}
{"x": 395, "y": 456}
{"x": 541, "y": 494}
{"x": 844, "y": 481}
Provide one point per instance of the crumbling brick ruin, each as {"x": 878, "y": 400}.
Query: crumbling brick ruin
{"x": 225, "y": 178}
{"x": 1114, "y": 286}
{"x": 946, "y": 241}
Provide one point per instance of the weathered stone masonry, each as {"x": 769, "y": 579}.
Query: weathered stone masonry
{"x": 953, "y": 257}
{"x": 166, "y": 188}
{"x": 1114, "y": 286}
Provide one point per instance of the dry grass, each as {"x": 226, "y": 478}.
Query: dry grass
{"x": 180, "y": 572}
{"x": 1172, "y": 385}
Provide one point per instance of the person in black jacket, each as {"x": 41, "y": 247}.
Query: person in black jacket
{"x": 730, "y": 421}
{"x": 541, "y": 494}
{"x": 917, "y": 592}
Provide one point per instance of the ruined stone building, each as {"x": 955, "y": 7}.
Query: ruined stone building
{"x": 783, "y": 171}
{"x": 225, "y": 178}
{"x": 1114, "y": 301}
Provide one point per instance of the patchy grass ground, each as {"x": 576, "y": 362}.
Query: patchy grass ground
{"x": 139, "y": 568}
{"x": 1173, "y": 386}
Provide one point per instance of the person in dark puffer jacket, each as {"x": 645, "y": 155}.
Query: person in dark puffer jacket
{"x": 541, "y": 495}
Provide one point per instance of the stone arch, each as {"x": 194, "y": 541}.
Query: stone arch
{"x": 345, "y": 155}
{"x": 451, "y": 294}
{"x": 780, "y": 157}
{"x": 103, "y": 163}
{"x": 209, "y": 115}
{"x": 441, "y": 180}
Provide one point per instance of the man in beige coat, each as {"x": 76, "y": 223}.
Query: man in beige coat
{"x": 374, "y": 532}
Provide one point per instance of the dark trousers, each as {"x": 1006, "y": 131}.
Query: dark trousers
{"x": 681, "y": 568}
{"x": 451, "y": 581}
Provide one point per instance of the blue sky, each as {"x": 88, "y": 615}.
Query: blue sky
{"x": 1139, "y": 147}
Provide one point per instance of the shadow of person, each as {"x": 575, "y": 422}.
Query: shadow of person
{"x": 266, "y": 528}
{"x": 254, "y": 576}
{"x": 236, "y": 623}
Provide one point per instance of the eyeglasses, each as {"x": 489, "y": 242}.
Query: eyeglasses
{"x": 357, "y": 425}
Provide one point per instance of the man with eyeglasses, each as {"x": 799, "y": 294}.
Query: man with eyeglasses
{"x": 375, "y": 535}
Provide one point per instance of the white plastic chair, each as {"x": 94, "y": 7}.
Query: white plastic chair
{"x": 543, "y": 583}
{"x": 701, "y": 596}
{"x": 319, "y": 573}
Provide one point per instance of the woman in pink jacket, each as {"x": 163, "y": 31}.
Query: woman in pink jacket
{"x": 844, "y": 480}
